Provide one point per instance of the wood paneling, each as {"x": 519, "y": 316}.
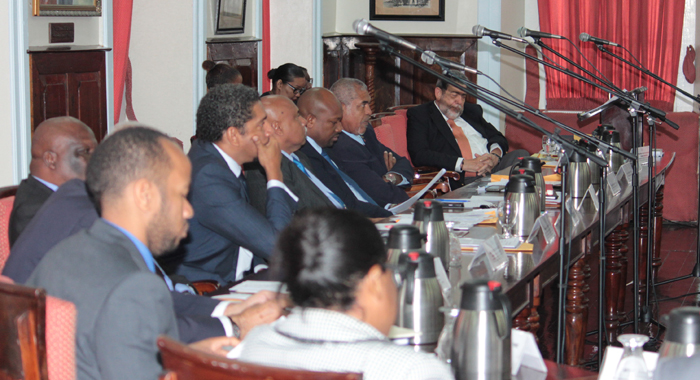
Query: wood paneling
{"x": 70, "y": 83}
{"x": 396, "y": 82}
{"x": 243, "y": 55}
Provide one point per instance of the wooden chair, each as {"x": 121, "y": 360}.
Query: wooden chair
{"x": 7, "y": 199}
{"x": 23, "y": 341}
{"x": 59, "y": 330}
{"x": 183, "y": 363}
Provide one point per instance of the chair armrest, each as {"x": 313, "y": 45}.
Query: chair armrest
{"x": 423, "y": 174}
{"x": 205, "y": 286}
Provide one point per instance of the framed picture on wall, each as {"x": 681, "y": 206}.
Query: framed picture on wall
{"x": 407, "y": 10}
{"x": 230, "y": 16}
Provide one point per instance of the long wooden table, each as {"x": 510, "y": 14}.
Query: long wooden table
{"x": 528, "y": 273}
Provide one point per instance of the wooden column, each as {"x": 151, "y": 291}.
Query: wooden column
{"x": 521, "y": 321}
{"x": 576, "y": 315}
{"x": 643, "y": 246}
{"x": 613, "y": 282}
{"x": 534, "y": 318}
{"x": 370, "y": 49}
{"x": 658, "y": 224}
{"x": 623, "y": 236}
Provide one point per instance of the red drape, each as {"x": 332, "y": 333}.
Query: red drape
{"x": 651, "y": 29}
{"x": 121, "y": 35}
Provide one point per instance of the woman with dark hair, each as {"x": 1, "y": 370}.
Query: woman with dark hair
{"x": 220, "y": 73}
{"x": 288, "y": 80}
{"x": 333, "y": 263}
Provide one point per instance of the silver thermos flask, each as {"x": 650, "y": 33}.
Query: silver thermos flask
{"x": 429, "y": 219}
{"x": 420, "y": 300}
{"x": 481, "y": 346}
{"x": 579, "y": 177}
{"x": 615, "y": 160}
{"x": 534, "y": 164}
{"x": 403, "y": 238}
{"x": 521, "y": 192}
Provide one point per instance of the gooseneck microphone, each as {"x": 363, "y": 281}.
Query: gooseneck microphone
{"x": 525, "y": 32}
{"x": 480, "y": 31}
{"x": 363, "y": 27}
{"x": 430, "y": 57}
{"x": 585, "y": 37}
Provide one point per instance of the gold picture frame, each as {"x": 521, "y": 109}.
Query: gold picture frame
{"x": 71, "y": 8}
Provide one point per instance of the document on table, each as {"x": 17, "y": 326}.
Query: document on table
{"x": 406, "y": 205}
{"x": 253, "y": 287}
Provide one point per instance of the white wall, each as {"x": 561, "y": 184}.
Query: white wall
{"x": 6, "y": 149}
{"x": 291, "y": 33}
{"x": 87, "y": 30}
{"x": 161, "y": 58}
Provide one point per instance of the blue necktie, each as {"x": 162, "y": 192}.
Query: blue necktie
{"x": 301, "y": 167}
{"x": 349, "y": 181}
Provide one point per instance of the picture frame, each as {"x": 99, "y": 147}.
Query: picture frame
{"x": 407, "y": 10}
{"x": 230, "y": 16}
{"x": 67, "y": 8}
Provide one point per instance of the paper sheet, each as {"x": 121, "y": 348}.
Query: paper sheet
{"x": 406, "y": 205}
{"x": 253, "y": 287}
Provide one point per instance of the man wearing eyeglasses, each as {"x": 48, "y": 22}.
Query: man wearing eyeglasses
{"x": 451, "y": 134}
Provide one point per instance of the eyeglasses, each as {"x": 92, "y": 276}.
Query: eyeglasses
{"x": 296, "y": 90}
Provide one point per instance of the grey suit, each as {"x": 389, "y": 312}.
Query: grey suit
{"x": 122, "y": 307}
{"x": 309, "y": 195}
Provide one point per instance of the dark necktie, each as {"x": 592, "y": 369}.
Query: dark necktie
{"x": 349, "y": 181}
{"x": 301, "y": 167}
{"x": 244, "y": 186}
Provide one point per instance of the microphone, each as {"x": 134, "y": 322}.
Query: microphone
{"x": 363, "y": 27}
{"x": 525, "y": 32}
{"x": 480, "y": 31}
{"x": 430, "y": 57}
{"x": 585, "y": 37}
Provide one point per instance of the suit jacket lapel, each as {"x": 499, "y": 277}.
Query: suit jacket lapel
{"x": 441, "y": 124}
{"x": 112, "y": 236}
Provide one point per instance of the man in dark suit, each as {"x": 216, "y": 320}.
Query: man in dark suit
{"x": 61, "y": 147}
{"x": 140, "y": 179}
{"x": 323, "y": 114}
{"x": 228, "y": 236}
{"x": 451, "y": 134}
{"x": 380, "y": 172}
{"x": 289, "y": 129}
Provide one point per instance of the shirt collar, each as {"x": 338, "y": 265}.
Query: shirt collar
{"x": 314, "y": 145}
{"x": 46, "y": 183}
{"x": 439, "y": 110}
{"x": 355, "y": 137}
{"x": 143, "y": 250}
{"x": 232, "y": 164}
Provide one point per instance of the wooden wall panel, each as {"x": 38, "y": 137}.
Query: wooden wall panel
{"x": 396, "y": 82}
{"x": 70, "y": 83}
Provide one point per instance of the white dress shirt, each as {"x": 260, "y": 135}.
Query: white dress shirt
{"x": 477, "y": 142}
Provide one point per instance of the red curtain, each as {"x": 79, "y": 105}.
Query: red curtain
{"x": 121, "y": 35}
{"x": 651, "y": 29}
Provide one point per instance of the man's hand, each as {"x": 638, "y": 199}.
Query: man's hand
{"x": 219, "y": 345}
{"x": 389, "y": 160}
{"x": 475, "y": 165}
{"x": 257, "y": 298}
{"x": 260, "y": 314}
{"x": 489, "y": 160}
{"x": 270, "y": 157}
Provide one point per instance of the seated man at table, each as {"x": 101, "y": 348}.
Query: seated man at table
{"x": 289, "y": 129}
{"x": 449, "y": 133}
{"x": 139, "y": 179}
{"x": 323, "y": 113}
{"x": 228, "y": 236}
{"x": 61, "y": 147}
{"x": 380, "y": 172}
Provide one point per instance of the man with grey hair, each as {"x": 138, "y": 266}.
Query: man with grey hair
{"x": 378, "y": 170}
{"x": 451, "y": 134}
{"x": 228, "y": 236}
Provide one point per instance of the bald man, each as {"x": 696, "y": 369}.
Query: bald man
{"x": 61, "y": 149}
{"x": 289, "y": 129}
{"x": 323, "y": 114}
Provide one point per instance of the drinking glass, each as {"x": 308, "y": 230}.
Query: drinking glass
{"x": 507, "y": 216}
{"x": 632, "y": 365}
{"x": 545, "y": 147}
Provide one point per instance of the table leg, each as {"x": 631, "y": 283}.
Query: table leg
{"x": 623, "y": 237}
{"x": 643, "y": 241}
{"x": 521, "y": 322}
{"x": 658, "y": 228}
{"x": 612, "y": 284}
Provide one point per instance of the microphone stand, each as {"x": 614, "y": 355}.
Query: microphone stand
{"x": 479, "y": 93}
{"x": 650, "y": 284}
{"x": 634, "y": 105}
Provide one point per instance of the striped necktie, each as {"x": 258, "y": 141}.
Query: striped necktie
{"x": 301, "y": 167}
{"x": 349, "y": 181}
